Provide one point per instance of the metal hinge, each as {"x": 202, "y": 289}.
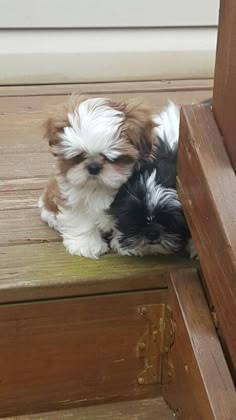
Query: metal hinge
{"x": 154, "y": 345}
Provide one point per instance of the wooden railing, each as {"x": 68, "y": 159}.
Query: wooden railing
{"x": 207, "y": 182}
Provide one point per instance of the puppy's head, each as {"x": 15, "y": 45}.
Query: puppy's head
{"x": 98, "y": 141}
{"x": 149, "y": 217}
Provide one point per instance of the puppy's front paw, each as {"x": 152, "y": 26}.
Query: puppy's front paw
{"x": 86, "y": 246}
{"x": 191, "y": 250}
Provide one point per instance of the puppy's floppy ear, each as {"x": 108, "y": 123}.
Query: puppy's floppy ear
{"x": 139, "y": 128}
{"x": 54, "y": 126}
{"x": 58, "y": 119}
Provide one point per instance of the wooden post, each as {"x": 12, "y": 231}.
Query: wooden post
{"x": 207, "y": 189}
{"x": 199, "y": 385}
{"x": 224, "y": 96}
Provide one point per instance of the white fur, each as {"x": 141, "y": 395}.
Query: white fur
{"x": 94, "y": 129}
{"x": 158, "y": 194}
{"x": 140, "y": 250}
{"x": 47, "y": 216}
{"x": 191, "y": 250}
{"x": 80, "y": 222}
{"x": 168, "y": 124}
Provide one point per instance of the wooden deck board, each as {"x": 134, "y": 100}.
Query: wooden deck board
{"x": 41, "y": 271}
{"x": 35, "y": 264}
{"x": 22, "y": 165}
{"x": 99, "y": 88}
{"x": 10, "y": 185}
{"x": 23, "y": 225}
{"x": 151, "y": 409}
{"x": 20, "y": 198}
{"x": 36, "y": 106}
{"x": 21, "y": 118}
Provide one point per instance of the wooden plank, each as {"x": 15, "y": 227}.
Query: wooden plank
{"x": 224, "y": 98}
{"x": 10, "y": 185}
{"x": 72, "y": 352}
{"x": 24, "y": 226}
{"x": 103, "y": 88}
{"x": 21, "y": 118}
{"x": 41, "y": 271}
{"x": 201, "y": 386}
{"x": 36, "y": 106}
{"x": 207, "y": 188}
{"x": 33, "y": 107}
{"x": 19, "y": 199}
{"x": 25, "y": 165}
{"x": 21, "y": 133}
{"x": 151, "y": 409}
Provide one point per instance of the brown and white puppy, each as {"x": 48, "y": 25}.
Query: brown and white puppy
{"x": 97, "y": 143}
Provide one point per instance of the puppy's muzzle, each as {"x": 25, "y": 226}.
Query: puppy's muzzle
{"x": 94, "y": 168}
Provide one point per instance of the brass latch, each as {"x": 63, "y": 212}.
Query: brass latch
{"x": 154, "y": 345}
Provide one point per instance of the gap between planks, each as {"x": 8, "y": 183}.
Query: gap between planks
{"x": 122, "y": 87}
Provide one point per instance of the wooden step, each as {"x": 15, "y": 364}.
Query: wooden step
{"x": 149, "y": 409}
{"x": 71, "y": 329}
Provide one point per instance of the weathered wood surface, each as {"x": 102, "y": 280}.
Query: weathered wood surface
{"x": 41, "y": 271}
{"x": 200, "y": 386}
{"x": 207, "y": 188}
{"x": 25, "y": 165}
{"x": 33, "y": 265}
{"x": 20, "y": 198}
{"x": 21, "y": 117}
{"x": 224, "y": 98}
{"x": 10, "y": 185}
{"x": 103, "y": 88}
{"x": 24, "y": 226}
{"x": 69, "y": 352}
{"x": 149, "y": 409}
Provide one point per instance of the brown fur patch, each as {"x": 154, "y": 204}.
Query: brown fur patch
{"x": 52, "y": 195}
{"x": 58, "y": 120}
{"x": 138, "y": 126}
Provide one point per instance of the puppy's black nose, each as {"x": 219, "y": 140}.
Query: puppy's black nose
{"x": 94, "y": 168}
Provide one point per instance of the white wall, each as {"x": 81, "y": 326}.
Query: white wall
{"x": 107, "y": 13}
{"x": 37, "y": 46}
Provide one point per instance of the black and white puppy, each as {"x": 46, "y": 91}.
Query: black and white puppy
{"x": 146, "y": 211}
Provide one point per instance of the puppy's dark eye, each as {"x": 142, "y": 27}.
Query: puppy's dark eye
{"x": 78, "y": 158}
{"x": 123, "y": 159}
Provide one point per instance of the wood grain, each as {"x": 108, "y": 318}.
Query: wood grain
{"x": 25, "y": 165}
{"x": 103, "y": 88}
{"x": 201, "y": 386}
{"x": 36, "y": 107}
{"x": 224, "y": 98}
{"x": 24, "y": 226}
{"x": 72, "y": 352}
{"x": 207, "y": 188}
{"x": 21, "y": 118}
{"x": 151, "y": 409}
{"x": 10, "y": 185}
{"x": 20, "y": 133}
{"x": 19, "y": 199}
{"x": 42, "y": 271}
